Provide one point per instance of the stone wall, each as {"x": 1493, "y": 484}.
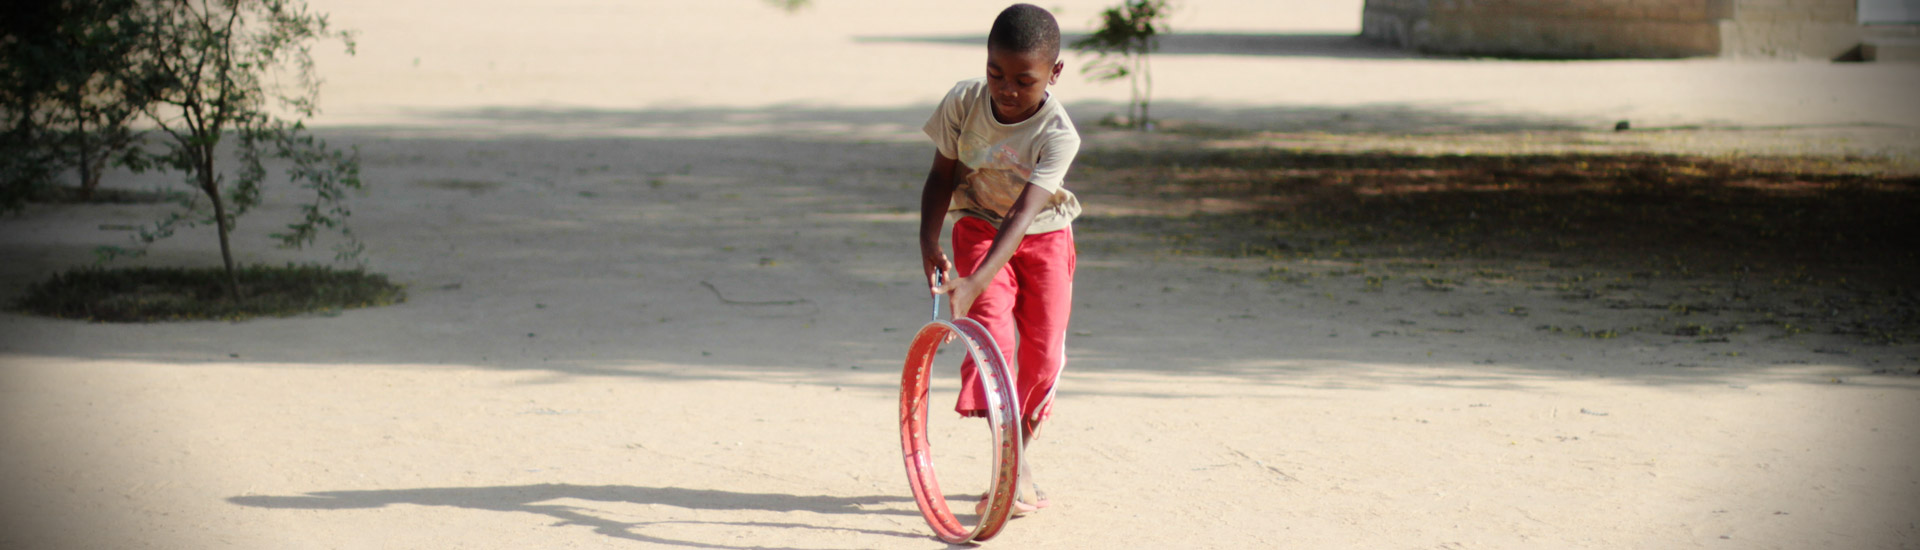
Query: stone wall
{"x": 1817, "y": 29}
{"x": 1616, "y": 28}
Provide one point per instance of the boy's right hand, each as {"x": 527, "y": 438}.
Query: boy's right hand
{"x": 932, "y": 261}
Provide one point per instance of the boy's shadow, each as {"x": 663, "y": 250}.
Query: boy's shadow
{"x": 528, "y": 498}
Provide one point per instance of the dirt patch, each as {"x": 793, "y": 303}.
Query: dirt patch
{"x": 472, "y": 187}
{"x": 1784, "y": 245}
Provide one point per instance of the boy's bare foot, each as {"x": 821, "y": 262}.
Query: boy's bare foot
{"x": 1020, "y": 505}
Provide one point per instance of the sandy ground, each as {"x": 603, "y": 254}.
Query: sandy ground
{"x": 661, "y": 282}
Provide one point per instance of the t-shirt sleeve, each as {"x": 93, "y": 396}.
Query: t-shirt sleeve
{"x": 944, "y": 125}
{"x": 1056, "y": 156}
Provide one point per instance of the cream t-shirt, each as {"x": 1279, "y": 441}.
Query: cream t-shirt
{"x": 999, "y": 160}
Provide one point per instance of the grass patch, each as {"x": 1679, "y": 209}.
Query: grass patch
{"x": 1584, "y": 332}
{"x": 71, "y": 194}
{"x": 142, "y": 294}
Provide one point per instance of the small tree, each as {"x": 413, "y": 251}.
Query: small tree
{"x": 97, "y": 107}
{"x": 67, "y": 67}
{"x": 791, "y": 6}
{"x": 1128, "y": 33}
{"x": 205, "y": 67}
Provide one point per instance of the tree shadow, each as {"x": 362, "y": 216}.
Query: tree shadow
{"x": 790, "y": 205}
{"x": 530, "y": 498}
{"x": 813, "y": 124}
{"x": 1338, "y": 46}
{"x": 1211, "y": 121}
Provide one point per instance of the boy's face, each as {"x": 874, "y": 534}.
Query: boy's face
{"x": 1018, "y": 81}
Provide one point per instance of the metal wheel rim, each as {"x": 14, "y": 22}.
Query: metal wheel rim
{"x": 1002, "y": 416}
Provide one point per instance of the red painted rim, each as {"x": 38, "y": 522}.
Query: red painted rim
{"x": 1003, "y": 411}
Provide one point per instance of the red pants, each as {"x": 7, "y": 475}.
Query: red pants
{"x": 1030, "y": 297}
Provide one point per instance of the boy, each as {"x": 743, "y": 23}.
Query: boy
{"x": 1004, "y": 147}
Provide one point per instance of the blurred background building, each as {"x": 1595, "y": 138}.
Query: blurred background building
{"x": 1852, "y": 30}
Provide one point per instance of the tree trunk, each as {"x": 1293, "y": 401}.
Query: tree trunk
{"x": 89, "y": 173}
{"x": 1146, "y": 95}
{"x": 1133, "y": 98}
{"x": 212, "y": 187}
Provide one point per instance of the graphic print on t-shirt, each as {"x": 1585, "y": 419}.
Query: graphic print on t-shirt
{"x": 998, "y": 174}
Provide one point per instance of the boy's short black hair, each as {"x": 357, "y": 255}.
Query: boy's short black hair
{"x": 1025, "y": 28}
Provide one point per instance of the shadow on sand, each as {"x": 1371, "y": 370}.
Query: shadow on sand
{"x": 1341, "y": 46}
{"x": 532, "y": 499}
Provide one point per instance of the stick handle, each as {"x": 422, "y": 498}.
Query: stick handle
{"x": 939, "y": 278}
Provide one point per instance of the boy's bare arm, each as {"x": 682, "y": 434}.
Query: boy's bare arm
{"x": 935, "y": 197}
{"x": 1029, "y": 204}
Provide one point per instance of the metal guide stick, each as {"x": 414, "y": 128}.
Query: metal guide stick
{"x": 939, "y": 278}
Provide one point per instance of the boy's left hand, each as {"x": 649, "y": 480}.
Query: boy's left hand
{"x": 962, "y": 291}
